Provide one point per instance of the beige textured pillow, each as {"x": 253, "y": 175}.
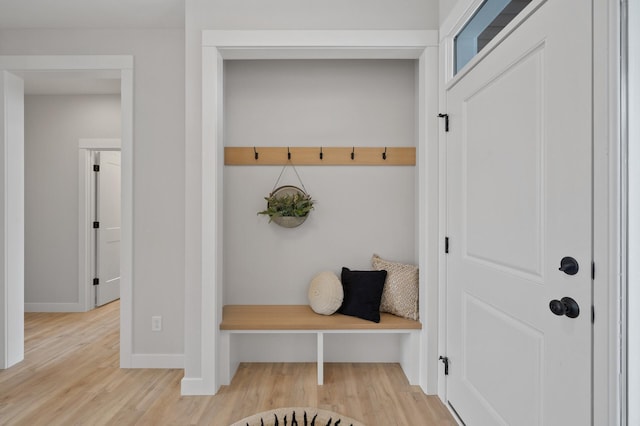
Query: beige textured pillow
{"x": 325, "y": 293}
{"x": 400, "y": 293}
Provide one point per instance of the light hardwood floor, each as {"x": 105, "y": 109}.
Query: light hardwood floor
{"x": 70, "y": 376}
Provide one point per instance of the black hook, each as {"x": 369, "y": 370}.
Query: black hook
{"x": 321, "y": 153}
{"x": 446, "y": 121}
{"x": 353, "y": 153}
{"x": 384, "y": 154}
{"x": 255, "y": 153}
{"x": 288, "y": 154}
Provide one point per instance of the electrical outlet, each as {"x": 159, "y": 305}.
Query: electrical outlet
{"x": 156, "y": 323}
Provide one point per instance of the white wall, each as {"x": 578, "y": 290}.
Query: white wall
{"x": 360, "y": 209}
{"x": 53, "y": 125}
{"x": 158, "y": 169}
{"x": 256, "y": 14}
{"x": 445, "y": 8}
{"x": 310, "y": 14}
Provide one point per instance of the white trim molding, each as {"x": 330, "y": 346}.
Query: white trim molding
{"x": 54, "y": 307}
{"x": 220, "y": 45}
{"x": 631, "y": 76}
{"x": 86, "y": 239}
{"x": 11, "y": 219}
{"x": 384, "y": 44}
{"x": 101, "y": 144}
{"x": 126, "y": 250}
{"x": 608, "y": 230}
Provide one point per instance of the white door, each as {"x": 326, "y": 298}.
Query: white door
{"x": 518, "y": 201}
{"x": 108, "y": 231}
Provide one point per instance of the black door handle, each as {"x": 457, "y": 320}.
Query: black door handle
{"x": 569, "y": 265}
{"x": 565, "y": 306}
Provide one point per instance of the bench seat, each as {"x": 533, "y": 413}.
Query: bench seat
{"x": 261, "y": 319}
{"x": 302, "y": 317}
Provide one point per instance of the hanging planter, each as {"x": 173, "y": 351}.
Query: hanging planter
{"x": 288, "y": 205}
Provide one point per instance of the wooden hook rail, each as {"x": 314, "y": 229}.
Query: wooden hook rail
{"x": 318, "y": 156}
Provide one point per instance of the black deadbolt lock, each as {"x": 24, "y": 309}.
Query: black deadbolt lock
{"x": 569, "y": 265}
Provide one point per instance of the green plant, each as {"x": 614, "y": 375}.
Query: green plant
{"x": 298, "y": 204}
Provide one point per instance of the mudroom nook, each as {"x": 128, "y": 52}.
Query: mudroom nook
{"x": 379, "y": 92}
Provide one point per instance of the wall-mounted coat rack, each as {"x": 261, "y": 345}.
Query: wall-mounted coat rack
{"x": 318, "y": 156}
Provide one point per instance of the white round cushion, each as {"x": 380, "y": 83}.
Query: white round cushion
{"x": 325, "y": 293}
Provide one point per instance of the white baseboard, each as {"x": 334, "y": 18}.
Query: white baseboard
{"x": 157, "y": 361}
{"x": 191, "y": 386}
{"x": 54, "y": 307}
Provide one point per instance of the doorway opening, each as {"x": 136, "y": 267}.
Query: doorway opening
{"x": 99, "y": 227}
{"x": 96, "y": 67}
{"x": 56, "y": 116}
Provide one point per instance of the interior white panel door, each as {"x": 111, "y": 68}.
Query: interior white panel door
{"x": 518, "y": 201}
{"x": 108, "y": 235}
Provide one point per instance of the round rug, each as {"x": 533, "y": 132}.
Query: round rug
{"x": 298, "y": 416}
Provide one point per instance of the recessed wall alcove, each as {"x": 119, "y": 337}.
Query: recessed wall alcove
{"x": 410, "y": 59}
{"x": 359, "y": 209}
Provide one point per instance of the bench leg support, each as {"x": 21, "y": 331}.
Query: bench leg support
{"x": 320, "y": 358}
{"x": 225, "y": 358}
{"x": 411, "y": 357}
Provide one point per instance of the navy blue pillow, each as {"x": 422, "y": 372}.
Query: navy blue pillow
{"x": 362, "y": 293}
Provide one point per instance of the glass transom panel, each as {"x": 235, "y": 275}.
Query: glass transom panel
{"x": 490, "y": 18}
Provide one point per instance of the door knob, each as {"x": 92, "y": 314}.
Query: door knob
{"x": 569, "y": 265}
{"x": 565, "y": 306}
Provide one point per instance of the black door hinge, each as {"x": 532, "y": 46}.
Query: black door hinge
{"x": 96, "y": 167}
{"x": 445, "y": 361}
{"x": 96, "y": 225}
{"x": 96, "y": 281}
{"x": 593, "y": 270}
{"x": 446, "y": 244}
{"x": 446, "y": 121}
{"x": 593, "y": 315}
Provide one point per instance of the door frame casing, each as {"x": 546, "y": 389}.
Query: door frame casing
{"x": 204, "y": 300}
{"x": 12, "y": 219}
{"x": 607, "y": 234}
{"x": 124, "y": 65}
{"x": 86, "y": 238}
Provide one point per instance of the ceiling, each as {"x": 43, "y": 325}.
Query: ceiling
{"x": 60, "y": 14}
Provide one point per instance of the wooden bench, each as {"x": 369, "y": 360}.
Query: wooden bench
{"x": 258, "y": 319}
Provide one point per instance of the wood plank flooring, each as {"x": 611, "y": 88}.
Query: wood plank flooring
{"x": 70, "y": 376}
